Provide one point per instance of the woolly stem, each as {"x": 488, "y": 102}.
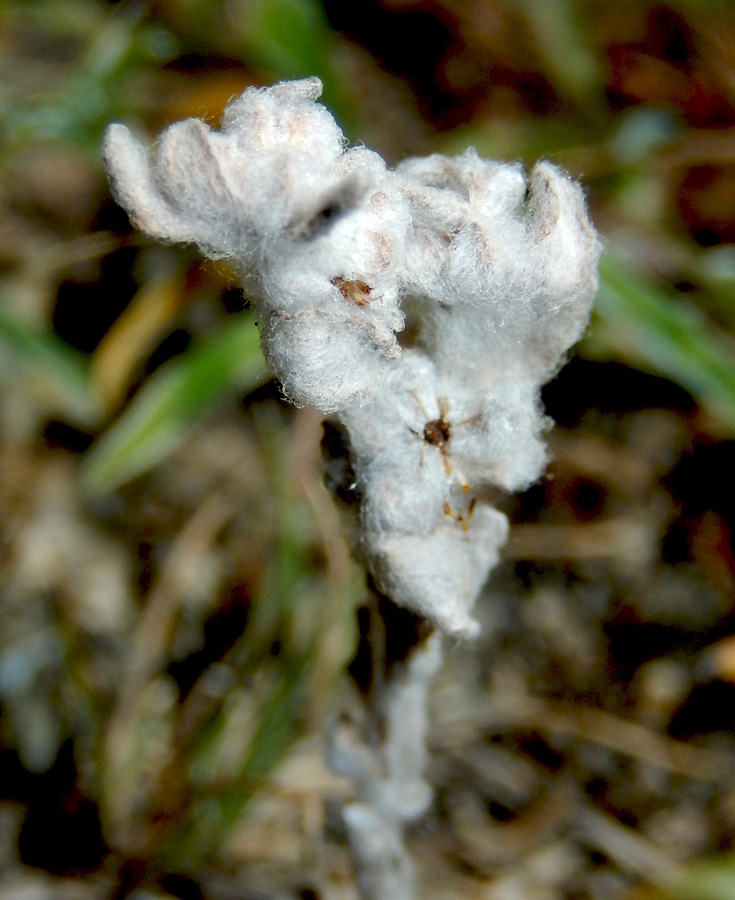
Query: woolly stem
{"x": 384, "y": 748}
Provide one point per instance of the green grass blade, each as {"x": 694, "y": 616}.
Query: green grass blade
{"x": 175, "y": 399}
{"x": 293, "y": 39}
{"x": 290, "y": 36}
{"x": 59, "y": 373}
{"x": 664, "y": 333}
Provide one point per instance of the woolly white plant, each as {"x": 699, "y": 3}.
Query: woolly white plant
{"x": 423, "y": 308}
{"x": 493, "y": 273}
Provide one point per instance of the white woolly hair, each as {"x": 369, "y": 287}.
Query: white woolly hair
{"x": 494, "y": 271}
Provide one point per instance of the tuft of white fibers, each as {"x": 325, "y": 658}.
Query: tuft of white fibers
{"x": 493, "y": 270}
{"x": 439, "y": 573}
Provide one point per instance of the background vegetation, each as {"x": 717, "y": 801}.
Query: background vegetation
{"x": 177, "y": 602}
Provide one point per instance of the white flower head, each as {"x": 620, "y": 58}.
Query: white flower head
{"x": 491, "y": 274}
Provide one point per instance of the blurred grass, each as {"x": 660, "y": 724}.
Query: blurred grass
{"x": 112, "y": 46}
{"x": 59, "y": 373}
{"x": 653, "y": 329}
{"x": 710, "y": 879}
{"x": 174, "y": 400}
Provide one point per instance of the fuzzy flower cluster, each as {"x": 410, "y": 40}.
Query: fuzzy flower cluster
{"x": 422, "y": 307}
